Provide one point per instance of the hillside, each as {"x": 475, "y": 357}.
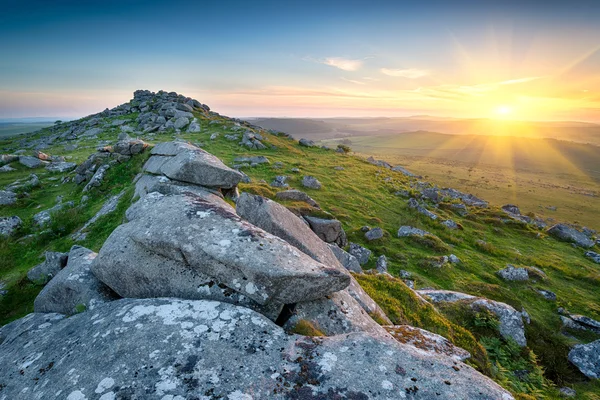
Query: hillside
{"x": 518, "y": 332}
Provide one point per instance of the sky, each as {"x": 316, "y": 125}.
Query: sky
{"x": 475, "y": 59}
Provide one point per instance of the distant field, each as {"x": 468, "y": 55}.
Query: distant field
{"x": 12, "y": 129}
{"x": 536, "y": 174}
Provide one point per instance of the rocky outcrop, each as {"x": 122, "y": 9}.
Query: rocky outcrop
{"x": 511, "y": 321}
{"x": 580, "y": 322}
{"x": 202, "y": 237}
{"x": 74, "y": 288}
{"x": 374, "y": 234}
{"x": 568, "y": 233}
{"x": 170, "y": 348}
{"x": 586, "y": 357}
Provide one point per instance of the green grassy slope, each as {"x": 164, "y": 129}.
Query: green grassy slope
{"x": 360, "y": 194}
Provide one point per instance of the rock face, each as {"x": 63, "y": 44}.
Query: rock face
{"x": 427, "y": 341}
{"x": 511, "y": 273}
{"x": 569, "y": 234}
{"x": 329, "y": 230}
{"x": 205, "y": 238}
{"x": 8, "y": 225}
{"x": 74, "y": 288}
{"x": 42, "y": 273}
{"x": 186, "y": 163}
{"x": 586, "y": 357}
{"x": 185, "y": 341}
{"x": 511, "y": 321}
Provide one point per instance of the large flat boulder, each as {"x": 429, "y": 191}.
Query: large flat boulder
{"x": 74, "y": 288}
{"x": 186, "y": 163}
{"x": 214, "y": 241}
{"x": 180, "y": 349}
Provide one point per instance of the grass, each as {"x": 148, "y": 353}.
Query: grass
{"x": 360, "y": 194}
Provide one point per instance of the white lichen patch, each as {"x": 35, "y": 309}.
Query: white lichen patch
{"x": 327, "y": 361}
{"x": 30, "y": 359}
{"x": 104, "y": 385}
{"x": 387, "y": 385}
{"x": 238, "y": 395}
{"x": 76, "y": 395}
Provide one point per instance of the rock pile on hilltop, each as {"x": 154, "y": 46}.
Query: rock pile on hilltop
{"x": 210, "y": 298}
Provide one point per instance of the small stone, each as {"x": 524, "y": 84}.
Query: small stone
{"x": 511, "y": 273}
{"x": 311, "y": 182}
{"x": 382, "y": 264}
{"x": 374, "y": 234}
{"x": 362, "y": 254}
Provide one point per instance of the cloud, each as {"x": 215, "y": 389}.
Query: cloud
{"x": 410, "y": 73}
{"x": 354, "y": 81}
{"x": 343, "y": 63}
{"x": 520, "y": 80}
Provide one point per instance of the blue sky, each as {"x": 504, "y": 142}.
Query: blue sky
{"x": 267, "y": 58}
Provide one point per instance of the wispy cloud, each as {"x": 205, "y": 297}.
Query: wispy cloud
{"x": 520, "y": 80}
{"x": 410, "y": 73}
{"x": 344, "y": 64}
{"x": 356, "y": 82}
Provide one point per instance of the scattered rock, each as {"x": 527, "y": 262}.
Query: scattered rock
{"x": 311, "y": 182}
{"x": 567, "y": 233}
{"x": 511, "y": 320}
{"x": 362, "y": 254}
{"x": 61, "y": 166}
{"x": 252, "y": 160}
{"x": 413, "y": 203}
{"x": 8, "y": 225}
{"x": 296, "y": 195}
{"x": 511, "y": 209}
{"x": 7, "y": 198}
{"x": 7, "y": 168}
{"x": 567, "y": 392}
{"x": 595, "y": 257}
{"x": 581, "y": 322}
{"x": 374, "y": 234}
{"x": 404, "y": 171}
{"x": 427, "y": 341}
{"x": 43, "y": 218}
{"x": 346, "y": 259}
{"x": 586, "y": 357}
{"x": 280, "y": 181}
{"x": 453, "y": 259}
{"x": 74, "y": 288}
{"x": 511, "y": 273}
{"x": 329, "y": 230}
{"x": 306, "y": 143}
{"x": 406, "y": 231}
{"x": 97, "y": 178}
{"x": 382, "y": 264}
{"x": 450, "y": 224}
{"x": 108, "y": 207}
{"x": 252, "y": 141}
{"x": 30, "y": 162}
{"x": 548, "y": 295}
{"x": 379, "y": 163}
{"x": 42, "y": 273}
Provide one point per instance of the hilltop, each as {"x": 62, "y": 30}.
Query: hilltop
{"x": 431, "y": 275}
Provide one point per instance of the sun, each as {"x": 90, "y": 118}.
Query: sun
{"x": 503, "y": 110}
